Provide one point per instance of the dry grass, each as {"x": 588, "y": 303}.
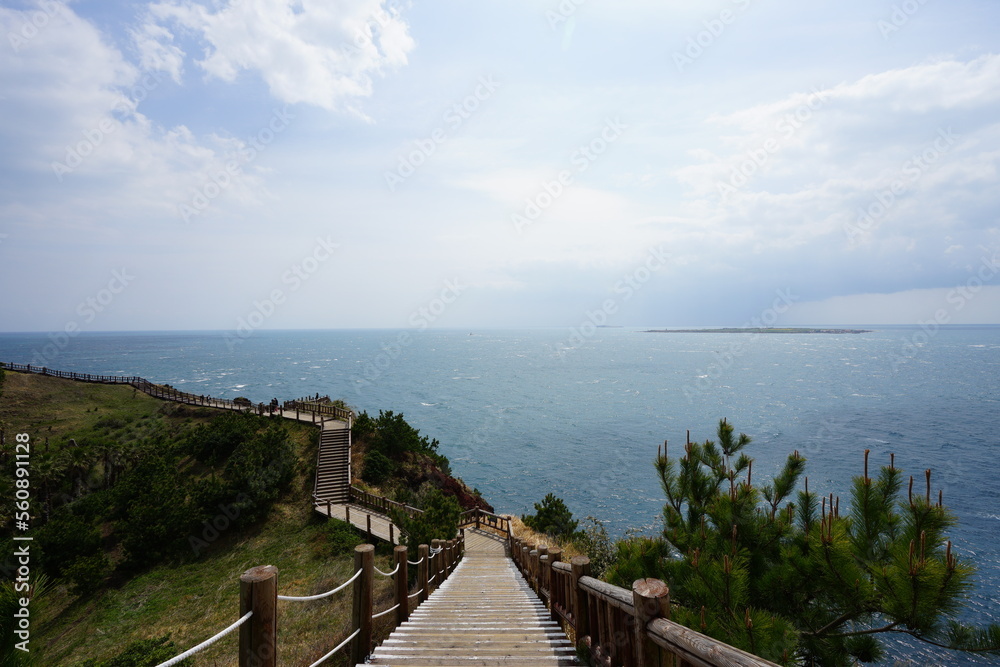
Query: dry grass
{"x": 569, "y": 549}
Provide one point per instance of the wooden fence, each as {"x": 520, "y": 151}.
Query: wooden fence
{"x": 316, "y": 411}
{"x": 381, "y": 504}
{"x": 260, "y": 612}
{"x": 616, "y": 626}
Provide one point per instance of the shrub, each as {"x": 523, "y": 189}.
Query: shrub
{"x": 553, "y": 518}
{"x": 594, "y": 541}
{"x": 377, "y": 468}
{"x": 258, "y": 471}
{"x": 217, "y": 440}
{"x": 341, "y": 537}
{"x": 439, "y": 520}
{"x": 157, "y": 516}
{"x": 88, "y": 573}
{"x": 65, "y": 539}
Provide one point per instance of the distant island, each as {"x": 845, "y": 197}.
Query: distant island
{"x": 763, "y": 330}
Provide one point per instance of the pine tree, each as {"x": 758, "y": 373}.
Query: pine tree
{"x": 800, "y": 582}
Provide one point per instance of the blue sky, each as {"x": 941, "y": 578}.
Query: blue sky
{"x": 219, "y": 164}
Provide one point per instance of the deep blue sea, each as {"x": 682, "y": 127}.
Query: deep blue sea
{"x": 521, "y": 413}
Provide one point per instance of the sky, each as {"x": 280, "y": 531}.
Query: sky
{"x": 237, "y": 165}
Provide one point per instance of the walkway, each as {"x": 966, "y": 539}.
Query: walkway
{"x": 381, "y": 527}
{"x": 484, "y": 614}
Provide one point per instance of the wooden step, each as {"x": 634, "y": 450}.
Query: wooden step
{"x": 483, "y": 614}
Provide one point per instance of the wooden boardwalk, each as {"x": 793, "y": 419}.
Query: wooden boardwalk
{"x": 484, "y": 614}
{"x": 381, "y": 527}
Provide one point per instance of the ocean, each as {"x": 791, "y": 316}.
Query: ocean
{"x": 521, "y": 413}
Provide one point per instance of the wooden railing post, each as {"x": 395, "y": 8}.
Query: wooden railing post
{"x": 555, "y": 588}
{"x": 423, "y": 555}
{"x": 259, "y": 635}
{"x": 436, "y": 567}
{"x": 651, "y": 599}
{"x": 541, "y": 571}
{"x": 402, "y": 586}
{"x": 581, "y": 617}
{"x": 361, "y": 613}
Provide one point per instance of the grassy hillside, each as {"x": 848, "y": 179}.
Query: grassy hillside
{"x": 89, "y": 442}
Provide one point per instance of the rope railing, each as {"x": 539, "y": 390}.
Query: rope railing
{"x": 339, "y": 646}
{"x": 388, "y": 574}
{"x": 309, "y": 598}
{"x": 208, "y": 642}
{"x": 387, "y": 611}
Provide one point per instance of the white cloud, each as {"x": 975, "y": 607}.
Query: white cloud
{"x": 307, "y": 51}
{"x": 157, "y": 51}
{"x": 809, "y": 162}
{"x": 79, "y": 139}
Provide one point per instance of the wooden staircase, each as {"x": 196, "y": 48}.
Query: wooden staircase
{"x": 484, "y": 614}
{"x": 333, "y": 466}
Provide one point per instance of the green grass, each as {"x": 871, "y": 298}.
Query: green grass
{"x": 194, "y": 597}
{"x": 195, "y": 600}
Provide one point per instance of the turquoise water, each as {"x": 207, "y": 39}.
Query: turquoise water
{"x": 523, "y": 413}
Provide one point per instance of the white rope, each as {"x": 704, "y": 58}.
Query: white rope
{"x": 418, "y": 562}
{"x": 410, "y": 597}
{"x": 342, "y": 645}
{"x": 321, "y": 595}
{"x": 432, "y": 578}
{"x": 205, "y": 644}
{"x": 383, "y": 613}
{"x": 435, "y": 552}
{"x": 387, "y": 574}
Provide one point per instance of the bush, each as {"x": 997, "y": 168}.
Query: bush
{"x": 553, "y": 518}
{"x": 65, "y": 539}
{"x": 377, "y": 468}
{"x": 439, "y": 520}
{"x": 391, "y": 435}
{"x": 216, "y": 441}
{"x": 341, "y": 537}
{"x": 594, "y": 541}
{"x": 260, "y": 469}
{"x": 157, "y": 516}
{"x": 88, "y": 573}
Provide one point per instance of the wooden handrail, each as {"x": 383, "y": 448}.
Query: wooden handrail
{"x": 617, "y": 626}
